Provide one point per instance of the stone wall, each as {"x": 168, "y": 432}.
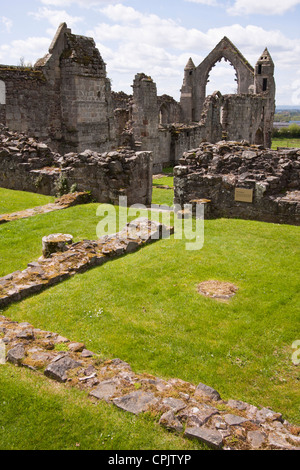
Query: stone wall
{"x": 65, "y": 99}
{"x": 145, "y": 115}
{"x": 221, "y": 172}
{"x": 24, "y": 87}
{"x": 28, "y": 165}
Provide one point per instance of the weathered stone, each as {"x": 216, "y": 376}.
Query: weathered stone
{"x": 25, "y": 334}
{"x": 239, "y": 405}
{"x": 87, "y": 353}
{"x": 266, "y": 414}
{"x": 136, "y": 402}
{"x": 106, "y": 389}
{"x": 174, "y": 404}
{"x": 205, "y": 435}
{"x": 58, "y": 370}
{"x": 234, "y": 420}
{"x": 79, "y": 257}
{"x": 204, "y": 391}
{"x": 55, "y": 243}
{"x": 76, "y": 347}
{"x": 256, "y": 439}
{"x": 16, "y": 354}
{"x": 200, "y": 414}
{"x": 169, "y": 421}
{"x": 60, "y": 339}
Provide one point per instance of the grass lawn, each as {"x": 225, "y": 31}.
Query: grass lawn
{"x": 284, "y": 142}
{"x": 13, "y": 201}
{"x": 154, "y": 319}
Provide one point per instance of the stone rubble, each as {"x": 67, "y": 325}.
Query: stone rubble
{"x": 213, "y": 172}
{"x": 196, "y": 412}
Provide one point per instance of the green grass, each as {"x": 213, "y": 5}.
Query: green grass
{"x": 163, "y": 196}
{"x": 283, "y": 142}
{"x": 154, "y": 318}
{"x": 165, "y": 180}
{"x": 38, "y": 414}
{"x": 13, "y": 201}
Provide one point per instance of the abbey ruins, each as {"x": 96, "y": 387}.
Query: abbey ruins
{"x": 66, "y": 100}
{"x": 115, "y": 142}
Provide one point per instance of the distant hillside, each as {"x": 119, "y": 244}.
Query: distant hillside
{"x": 287, "y": 114}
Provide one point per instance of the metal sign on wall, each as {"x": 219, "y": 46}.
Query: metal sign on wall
{"x": 243, "y": 195}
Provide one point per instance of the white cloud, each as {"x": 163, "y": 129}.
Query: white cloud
{"x": 259, "y": 7}
{"x": 55, "y": 17}
{"x": 30, "y": 49}
{"x": 212, "y": 3}
{"x": 131, "y": 41}
{"x": 81, "y": 3}
{"x": 7, "y": 24}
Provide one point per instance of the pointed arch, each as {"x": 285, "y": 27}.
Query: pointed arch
{"x": 225, "y": 49}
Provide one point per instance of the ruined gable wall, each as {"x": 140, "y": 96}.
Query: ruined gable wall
{"x": 65, "y": 99}
{"x": 30, "y": 102}
{"x": 87, "y": 112}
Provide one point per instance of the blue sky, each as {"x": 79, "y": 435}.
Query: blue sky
{"x": 157, "y": 37}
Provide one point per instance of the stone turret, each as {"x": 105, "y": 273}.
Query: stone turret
{"x": 264, "y": 74}
{"x": 264, "y": 84}
{"x": 186, "y": 99}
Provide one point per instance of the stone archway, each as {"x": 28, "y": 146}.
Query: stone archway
{"x": 226, "y": 67}
{"x": 259, "y": 137}
{"x": 197, "y": 81}
{"x": 163, "y": 115}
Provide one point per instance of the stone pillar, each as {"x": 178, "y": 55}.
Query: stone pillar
{"x": 145, "y": 117}
{"x": 56, "y": 243}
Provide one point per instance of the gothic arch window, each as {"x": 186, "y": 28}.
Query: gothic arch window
{"x": 259, "y": 137}
{"x": 163, "y": 115}
{"x": 2, "y": 92}
{"x": 229, "y": 77}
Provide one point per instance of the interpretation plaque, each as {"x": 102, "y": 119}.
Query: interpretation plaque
{"x": 243, "y": 195}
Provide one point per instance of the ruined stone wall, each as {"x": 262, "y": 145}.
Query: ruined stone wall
{"x": 65, "y": 99}
{"x": 222, "y": 172}
{"x": 27, "y": 165}
{"x": 243, "y": 118}
{"x": 30, "y": 102}
{"x": 85, "y": 96}
{"x": 145, "y": 114}
{"x": 169, "y": 110}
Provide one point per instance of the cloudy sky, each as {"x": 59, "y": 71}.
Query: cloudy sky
{"x": 157, "y": 37}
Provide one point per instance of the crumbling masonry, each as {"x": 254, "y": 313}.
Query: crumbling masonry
{"x": 66, "y": 101}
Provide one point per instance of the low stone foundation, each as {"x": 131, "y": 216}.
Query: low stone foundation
{"x": 196, "y": 412}
{"x": 77, "y": 258}
{"x": 241, "y": 181}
